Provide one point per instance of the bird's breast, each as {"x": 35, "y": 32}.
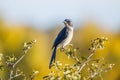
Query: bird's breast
{"x": 68, "y": 38}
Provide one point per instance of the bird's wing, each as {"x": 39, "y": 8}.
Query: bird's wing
{"x": 61, "y": 36}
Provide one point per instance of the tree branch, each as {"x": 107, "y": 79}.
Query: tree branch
{"x": 27, "y": 46}
{"x": 13, "y": 66}
{"x": 96, "y": 44}
{"x": 85, "y": 62}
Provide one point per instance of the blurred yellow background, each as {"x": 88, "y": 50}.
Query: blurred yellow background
{"x": 12, "y": 39}
{"x": 41, "y": 20}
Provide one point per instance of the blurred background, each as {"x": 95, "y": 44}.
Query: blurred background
{"x": 25, "y": 20}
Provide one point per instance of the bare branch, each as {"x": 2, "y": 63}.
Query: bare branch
{"x": 85, "y": 62}
{"x": 27, "y": 46}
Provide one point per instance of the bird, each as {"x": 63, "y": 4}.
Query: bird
{"x": 63, "y": 39}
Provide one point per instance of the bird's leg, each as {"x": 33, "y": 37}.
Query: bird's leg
{"x": 70, "y": 45}
{"x": 62, "y": 49}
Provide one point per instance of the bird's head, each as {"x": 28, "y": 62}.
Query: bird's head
{"x": 68, "y": 23}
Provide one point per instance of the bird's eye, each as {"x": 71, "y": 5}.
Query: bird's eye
{"x": 68, "y": 21}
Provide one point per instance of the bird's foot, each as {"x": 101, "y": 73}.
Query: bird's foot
{"x": 62, "y": 49}
{"x": 70, "y": 45}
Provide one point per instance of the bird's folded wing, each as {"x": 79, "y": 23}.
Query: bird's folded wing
{"x": 61, "y": 36}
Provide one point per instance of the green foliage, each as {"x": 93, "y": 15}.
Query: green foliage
{"x": 84, "y": 68}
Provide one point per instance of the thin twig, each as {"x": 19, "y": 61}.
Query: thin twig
{"x": 17, "y": 75}
{"x": 13, "y": 66}
{"x": 24, "y": 53}
{"x": 27, "y": 46}
{"x": 33, "y": 75}
{"x": 85, "y": 62}
{"x": 95, "y": 74}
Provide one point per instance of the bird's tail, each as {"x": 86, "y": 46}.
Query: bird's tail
{"x": 53, "y": 57}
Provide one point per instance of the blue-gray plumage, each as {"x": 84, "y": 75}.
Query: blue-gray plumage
{"x": 64, "y": 37}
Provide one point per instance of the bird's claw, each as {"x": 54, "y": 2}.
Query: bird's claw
{"x": 62, "y": 49}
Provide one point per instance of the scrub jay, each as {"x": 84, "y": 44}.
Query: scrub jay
{"x": 64, "y": 37}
